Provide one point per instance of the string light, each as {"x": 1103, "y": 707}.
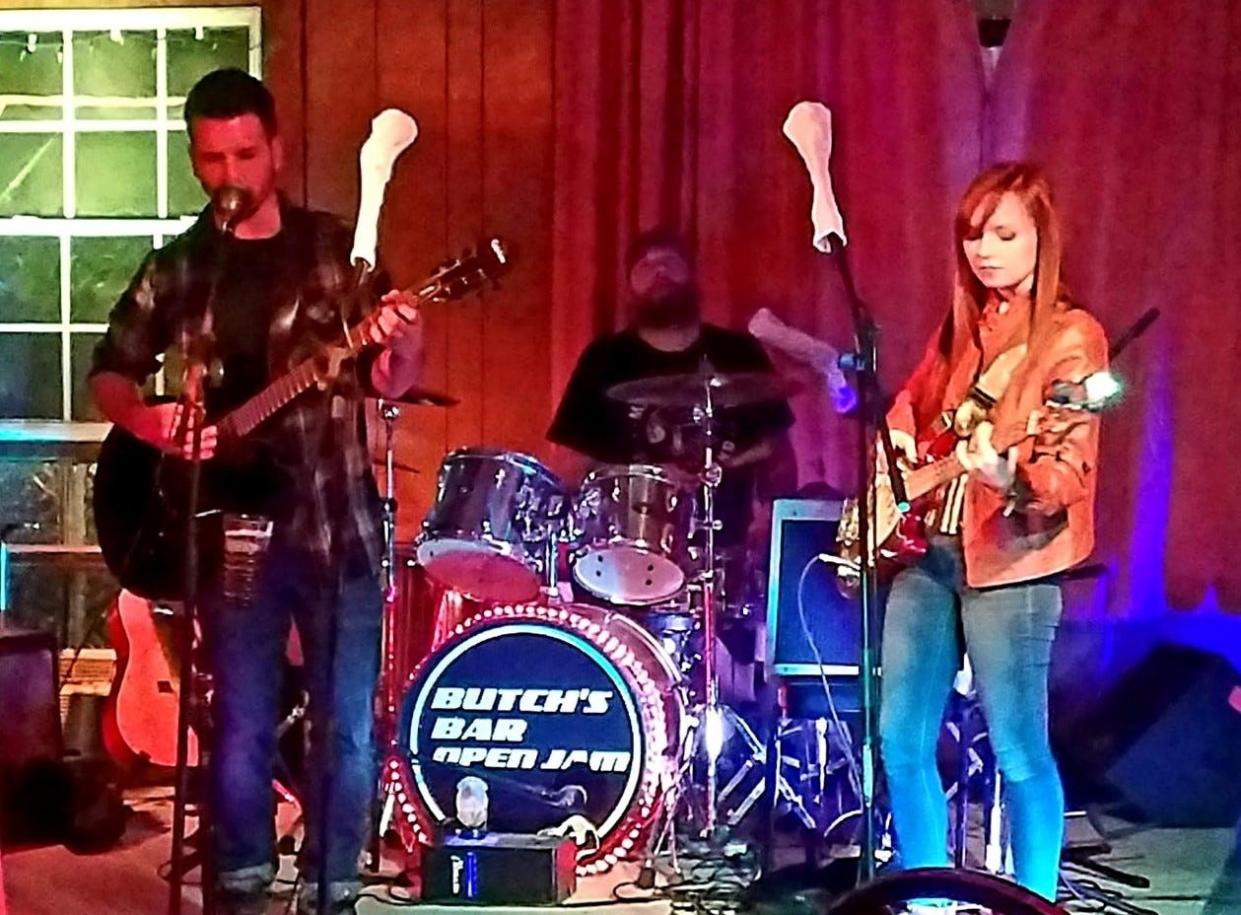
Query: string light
{"x": 199, "y": 33}
{"x": 31, "y": 41}
{"x": 116, "y": 35}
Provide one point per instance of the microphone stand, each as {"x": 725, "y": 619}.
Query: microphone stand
{"x": 872, "y": 423}
{"x": 193, "y": 405}
{"x": 326, "y": 716}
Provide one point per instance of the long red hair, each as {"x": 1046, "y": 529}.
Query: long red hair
{"x": 958, "y": 334}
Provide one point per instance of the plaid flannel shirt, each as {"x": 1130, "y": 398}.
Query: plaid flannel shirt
{"x": 335, "y": 503}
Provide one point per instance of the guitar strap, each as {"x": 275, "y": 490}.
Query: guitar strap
{"x": 987, "y": 390}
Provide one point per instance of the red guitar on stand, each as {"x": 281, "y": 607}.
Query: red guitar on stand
{"x": 140, "y": 716}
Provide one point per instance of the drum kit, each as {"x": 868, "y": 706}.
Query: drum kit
{"x": 600, "y": 715}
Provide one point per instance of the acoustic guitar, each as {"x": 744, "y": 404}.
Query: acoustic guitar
{"x": 140, "y": 491}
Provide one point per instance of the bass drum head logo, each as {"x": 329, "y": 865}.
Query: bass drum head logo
{"x": 539, "y": 714}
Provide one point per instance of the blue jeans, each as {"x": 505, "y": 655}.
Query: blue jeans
{"x": 1008, "y": 632}
{"x": 246, "y": 645}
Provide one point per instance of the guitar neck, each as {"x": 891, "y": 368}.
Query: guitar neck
{"x": 927, "y": 479}
{"x": 304, "y": 376}
{"x": 453, "y": 280}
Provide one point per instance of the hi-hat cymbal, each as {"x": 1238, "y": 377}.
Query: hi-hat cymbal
{"x": 425, "y": 397}
{"x": 728, "y": 389}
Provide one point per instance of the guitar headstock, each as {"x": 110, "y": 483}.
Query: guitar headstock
{"x": 477, "y": 268}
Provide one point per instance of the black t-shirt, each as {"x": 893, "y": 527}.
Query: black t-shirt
{"x": 616, "y": 433}
{"x": 259, "y": 471}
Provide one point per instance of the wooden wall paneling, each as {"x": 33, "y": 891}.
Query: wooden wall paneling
{"x": 340, "y": 99}
{"x": 463, "y": 202}
{"x": 517, "y": 196}
{"x": 412, "y": 69}
{"x": 283, "y": 22}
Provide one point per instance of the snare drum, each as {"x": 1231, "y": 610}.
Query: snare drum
{"x": 635, "y": 523}
{"x": 493, "y": 514}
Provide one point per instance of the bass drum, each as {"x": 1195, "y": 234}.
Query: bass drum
{"x": 564, "y": 711}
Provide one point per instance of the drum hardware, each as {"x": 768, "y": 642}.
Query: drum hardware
{"x": 389, "y": 686}
{"x": 424, "y": 397}
{"x": 705, "y": 393}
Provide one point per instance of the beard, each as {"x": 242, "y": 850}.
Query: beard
{"x": 670, "y": 306}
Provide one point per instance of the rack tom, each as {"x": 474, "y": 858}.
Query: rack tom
{"x": 635, "y": 522}
{"x": 488, "y": 530}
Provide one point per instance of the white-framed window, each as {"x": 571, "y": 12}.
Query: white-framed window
{"x": 93, "y": 174}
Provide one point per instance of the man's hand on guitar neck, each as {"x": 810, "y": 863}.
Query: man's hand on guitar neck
{"x": 399, "y": 329}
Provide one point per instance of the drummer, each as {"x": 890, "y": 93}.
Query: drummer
{"x": 667, "y": 336}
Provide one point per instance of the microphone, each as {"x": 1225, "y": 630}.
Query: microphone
{"x": 228, "y": 202}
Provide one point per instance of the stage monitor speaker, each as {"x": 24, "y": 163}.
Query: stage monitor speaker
{"x": 30, "y": 724}
{"x": 1168, "y": 738}
{"x": 30, "y": 740}
{"x": 805, "y": 611}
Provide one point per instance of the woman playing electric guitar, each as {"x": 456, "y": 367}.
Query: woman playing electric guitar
{"x": 999, "y": 533}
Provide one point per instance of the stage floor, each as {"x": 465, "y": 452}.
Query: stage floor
{"x": 1186, "y": 869}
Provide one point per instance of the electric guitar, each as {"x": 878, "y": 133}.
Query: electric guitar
{"x": 139, "y": 491}
{"x": 901, "y": 535}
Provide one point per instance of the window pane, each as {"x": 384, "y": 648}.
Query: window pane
{"x": 189, "y": 58}
{"x": 111, "y": 72}
{"x": 29, "y": 279}
{"x": 32, "y": 491}
{"x": 37, "y": 74}
{"x": 80, "y": 348}
{"x": 92, "y": 532}
{"x": 30, "y": 382}
{"x": 116, "y": 174}
{"x": 100, "y": 269}
{"x": 30, "y": 172}
{"x": 185, "y": 194}
{"x": 66, "y": 604}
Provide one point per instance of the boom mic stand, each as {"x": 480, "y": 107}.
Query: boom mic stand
{"x": 228, "y": 204}
{"x": 872, "y": 423}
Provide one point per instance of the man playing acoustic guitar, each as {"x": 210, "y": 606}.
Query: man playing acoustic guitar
{"x": 280, "y": 282}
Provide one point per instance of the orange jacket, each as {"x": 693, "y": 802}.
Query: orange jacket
{"x": 1052, "y": 528}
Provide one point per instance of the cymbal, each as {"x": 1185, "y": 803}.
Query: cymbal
{"x": 425, "y": 397}
{"x": 728, "y": 389}
{"x": 399, "y": 466}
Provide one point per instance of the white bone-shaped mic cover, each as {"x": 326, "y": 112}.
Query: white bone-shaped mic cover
{"x": 392, "y": 132}
{"x": 809, "y": 128}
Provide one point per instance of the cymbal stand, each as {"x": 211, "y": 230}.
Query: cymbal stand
{"x": 388, "y": 413}
{"x": 712, "y": 717}
{"x": 555, "y": 530}
{"x": 389, "y": 687}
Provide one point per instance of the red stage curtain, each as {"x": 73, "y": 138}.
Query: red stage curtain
{"x": 671, "y": 111}
{"x": 1135, "y": 110}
